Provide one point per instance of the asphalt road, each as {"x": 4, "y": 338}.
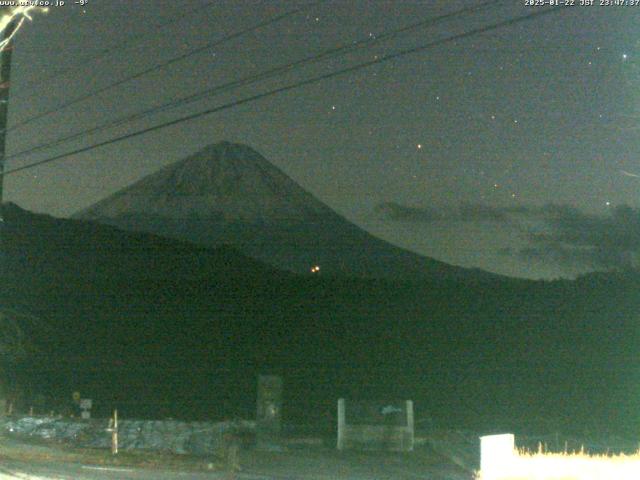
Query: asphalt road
{"x": 11, "y": 470}
{"x": 21, "y": 471}
{"x": 14, "y": 470}
{"x": 21, "y": 461}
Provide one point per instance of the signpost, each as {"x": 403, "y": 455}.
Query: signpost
{"x": 85, "y": 408}
{"x": 375, "y": 425}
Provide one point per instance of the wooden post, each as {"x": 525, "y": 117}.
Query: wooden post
{"x": 113, "y": 428}
{"x": 341, "y": 423}
{"x": 114, "y": 435}
{"x": 410, "y": 425}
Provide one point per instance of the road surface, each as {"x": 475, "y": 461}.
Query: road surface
{"x": 22, "y": 461}
{"x": 20, "y": 471}
{"x": 16, "y": 470}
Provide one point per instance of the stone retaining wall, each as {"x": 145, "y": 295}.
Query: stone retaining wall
{"x": 197, "y": 438}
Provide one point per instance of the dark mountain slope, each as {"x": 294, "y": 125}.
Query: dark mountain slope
{"x": 159, "y": 327}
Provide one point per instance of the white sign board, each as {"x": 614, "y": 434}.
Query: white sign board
{"x": 496, "y": 454}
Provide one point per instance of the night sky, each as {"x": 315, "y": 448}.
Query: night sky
{"x": 515, "y": 150}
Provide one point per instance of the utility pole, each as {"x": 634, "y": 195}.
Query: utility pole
{"x": 5, "y": 76}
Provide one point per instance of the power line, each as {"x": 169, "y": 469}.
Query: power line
{"x": 286, "y": 68}
{"x": 123, "y": 44}
{"x": 295, "y": 85}
{"x": 165, "y": 64}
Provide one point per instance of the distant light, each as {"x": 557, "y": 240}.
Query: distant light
{"x": 608, "y": 204}
{"x": 625, "y": 56}
{"x": 419, "y": 146}
{"x": 315, "y": 269}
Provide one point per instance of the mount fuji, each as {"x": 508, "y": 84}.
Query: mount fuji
{"x": 229, "y": 194}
